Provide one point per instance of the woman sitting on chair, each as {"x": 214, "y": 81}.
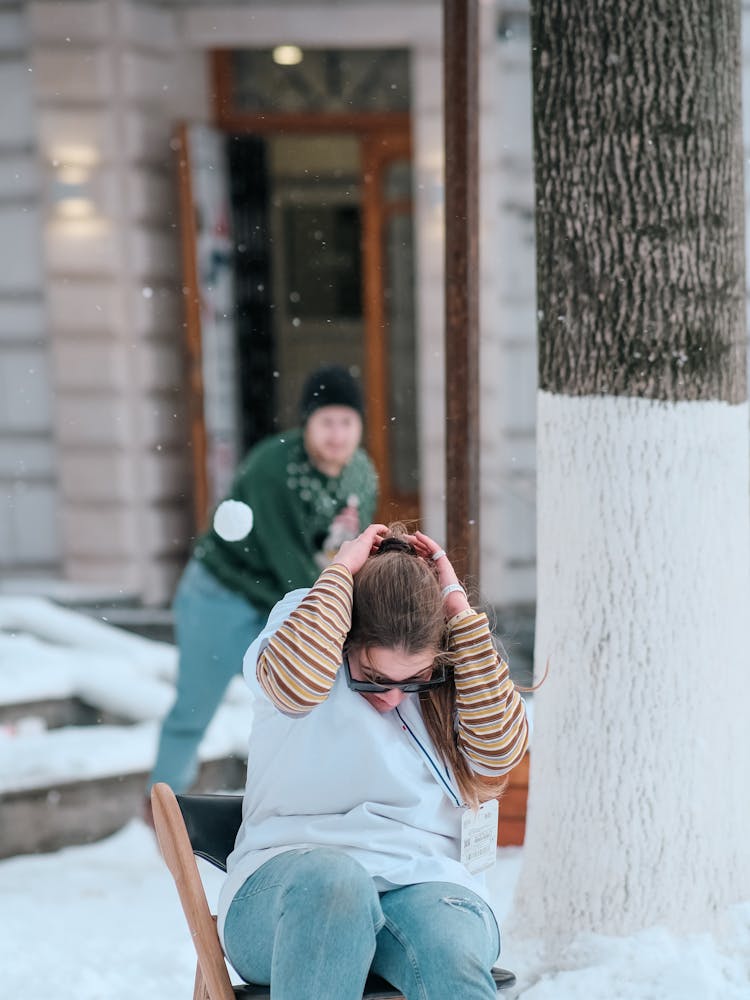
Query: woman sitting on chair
{"x": 384, "y": 716}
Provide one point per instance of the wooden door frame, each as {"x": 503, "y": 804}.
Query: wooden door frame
{"x": 193, "y": 331}
{"x": 384, "y": 136}
{"x": 227, "y": 116}
{"x": 378, "y": 151}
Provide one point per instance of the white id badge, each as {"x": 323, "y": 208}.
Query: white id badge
{"x": 479, "y": 837}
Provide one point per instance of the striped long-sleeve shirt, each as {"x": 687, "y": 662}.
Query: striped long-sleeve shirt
{"x": 492, "y": 728}
{"x": 298, "y": 667}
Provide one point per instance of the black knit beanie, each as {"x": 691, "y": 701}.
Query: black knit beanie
{"x": 330, "y": 385}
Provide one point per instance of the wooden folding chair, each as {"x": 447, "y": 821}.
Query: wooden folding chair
{"x": 205, "y": 826}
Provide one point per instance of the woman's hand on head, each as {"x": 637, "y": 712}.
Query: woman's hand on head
{"x": 430, "y": 550}
{"x": 354, "y": 553}
{"x": 434, "y": 553}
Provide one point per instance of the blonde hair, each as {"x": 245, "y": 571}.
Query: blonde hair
{"x": 398, "y": 605}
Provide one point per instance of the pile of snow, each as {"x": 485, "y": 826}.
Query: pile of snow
{"x": 49, "y": 652}
{"x": 653, "y": 964}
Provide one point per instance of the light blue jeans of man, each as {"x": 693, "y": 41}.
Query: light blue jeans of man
{"x": 213, "y": 628}
{"x": 312, "y": 924}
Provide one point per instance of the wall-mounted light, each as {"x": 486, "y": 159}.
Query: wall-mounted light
{"x": 71, "y": 192}
{"x": 71, "y": 183}
{"x": 287, "y": 55}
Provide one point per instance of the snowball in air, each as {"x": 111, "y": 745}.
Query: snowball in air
{"x": 233, "y": 520}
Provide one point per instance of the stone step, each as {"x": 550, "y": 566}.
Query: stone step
{"x": 79, "y": 722}
{"x": 55, "y": 713}
{"x": 63, "y": 814}
{"x": 112, "y": 605}
{"x": 72, "y": 772}
{"x": 67, "y": 593}
{"x": 152, "y": 623}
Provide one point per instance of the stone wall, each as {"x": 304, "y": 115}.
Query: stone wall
{"x": 29, "y": 499}
{"x": 102, "y": 72}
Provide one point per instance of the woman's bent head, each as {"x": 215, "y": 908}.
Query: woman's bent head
{"x": 398, "y": 625}
{"x": 397, "y": 600}
{"x": 399, "y": 633}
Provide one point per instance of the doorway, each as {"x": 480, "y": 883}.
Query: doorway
{"x": 324, "y": 273}
{"x": 308, "y": 262}
{"x": 318, "y": 158}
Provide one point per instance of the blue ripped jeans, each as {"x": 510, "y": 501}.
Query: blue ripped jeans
{"x": 312, "y": 924}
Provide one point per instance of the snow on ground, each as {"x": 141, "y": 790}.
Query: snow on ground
{"x": 103, "y": 922}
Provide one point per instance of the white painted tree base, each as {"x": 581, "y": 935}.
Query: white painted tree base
{"x": 639, "y": 809}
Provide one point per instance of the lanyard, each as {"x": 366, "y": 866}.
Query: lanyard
{"x": 442, "y": 778}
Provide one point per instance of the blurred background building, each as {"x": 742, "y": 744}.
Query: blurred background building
{"x": 200, "y": 201}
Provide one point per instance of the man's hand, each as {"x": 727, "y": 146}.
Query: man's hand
{"x": 347, "y": 521}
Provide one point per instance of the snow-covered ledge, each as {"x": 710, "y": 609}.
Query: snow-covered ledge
{"x": 48, "y": 652}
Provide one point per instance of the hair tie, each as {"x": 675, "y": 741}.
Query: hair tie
{"x": 393, "y": 544}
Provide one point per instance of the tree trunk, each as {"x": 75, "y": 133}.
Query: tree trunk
{"x": 639, "y": 808}
{"x": 638, "y": 151}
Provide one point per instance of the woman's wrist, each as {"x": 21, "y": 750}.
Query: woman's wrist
{"x": 453, "y": 594}
{"x": 454, "y": 600}
{"x": 337, "y": 564}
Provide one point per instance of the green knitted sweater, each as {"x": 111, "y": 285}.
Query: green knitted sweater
{"x": 293, "y": 505}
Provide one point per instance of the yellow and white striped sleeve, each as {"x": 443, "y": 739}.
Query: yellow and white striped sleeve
{"x": 492, "y": 727}
{"x": 297, "y": 668}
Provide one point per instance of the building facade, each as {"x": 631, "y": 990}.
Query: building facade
{"x": 97, "y": 445}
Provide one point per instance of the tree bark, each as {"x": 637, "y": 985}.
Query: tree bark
{"x": 638, "y": 806}
{"x": 638, "y": 151}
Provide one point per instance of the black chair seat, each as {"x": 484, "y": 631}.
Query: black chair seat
{"x": 375, "y": 987}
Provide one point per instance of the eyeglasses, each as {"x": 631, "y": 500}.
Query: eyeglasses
{"x": 408, "y": 686}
